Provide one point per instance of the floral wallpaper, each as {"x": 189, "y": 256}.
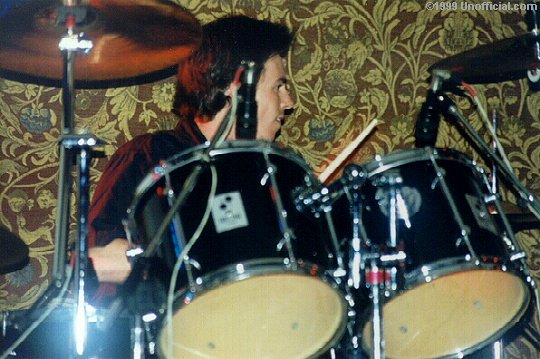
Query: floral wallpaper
{"x": 352, "y": 61}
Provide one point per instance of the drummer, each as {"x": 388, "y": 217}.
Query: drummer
{"x": 202, "y": 103}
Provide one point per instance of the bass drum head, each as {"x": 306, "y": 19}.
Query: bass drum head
{"x": 282, "y": 315}
{"x": 452, "y": 315}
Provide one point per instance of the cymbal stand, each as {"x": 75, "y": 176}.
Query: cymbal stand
{"x": 357, "y": 264}
{"x": 73, "y": 147}
{"x": 451, "y": 112}
{"x": 494, "y": 184}
{"x": 380, "y": 268}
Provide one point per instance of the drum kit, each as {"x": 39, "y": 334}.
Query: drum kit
{"x": 239, "y": 250}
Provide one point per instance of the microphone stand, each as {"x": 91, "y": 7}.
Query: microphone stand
{"x": 141, "y": 259}
{"x": 190, "y": 182}
{"x": 452, "y": 114}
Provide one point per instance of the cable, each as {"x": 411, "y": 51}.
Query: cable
{"x": 487, "y": 123}
{"x": 180, "y": 260}
{"x": 219, "y": 139}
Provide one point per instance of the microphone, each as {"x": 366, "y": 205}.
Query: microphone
{"x": 533, "y": 75}
{"x": 427, "y": 123}
{"x": 246, "y": 113}
{"x": 531, "y": 18}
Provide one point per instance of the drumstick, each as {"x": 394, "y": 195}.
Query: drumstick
{"x": 347, "y": 151}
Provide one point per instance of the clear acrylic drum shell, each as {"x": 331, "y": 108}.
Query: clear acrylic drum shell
{"x": 430, "y": 304}
{"x": 229, "y": 257}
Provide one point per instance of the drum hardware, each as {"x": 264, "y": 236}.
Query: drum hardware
{"x": 451, "y": 113}
{"x": 4, "y": 317}
{"x": 178, "y": 238}
{"x": 381, "y": 271}
{"x": 137, "y": 335}
{"x": 438, "y": 103}
{"x": 464, "y": 230}
{"x": 72, "y": 148}
{"x": 441, "y": 104}
{"x": 37, "y": 38}
{"x": 320, "y": 200}
{"x": 410, "y": 184}
{"x": 281, "y": 212}
{"x": 493, "y": 175}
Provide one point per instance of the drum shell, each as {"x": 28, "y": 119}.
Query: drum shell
{"x": 451, "y": 295}
{"x": 433, "y": 233}
{"x": 240, "y": 168}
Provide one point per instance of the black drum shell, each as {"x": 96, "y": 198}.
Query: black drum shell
{"x": 241, "y": 167}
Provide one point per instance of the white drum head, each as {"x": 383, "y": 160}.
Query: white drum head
{"x": 278, "y": 316}
{"x": 451, "y": 314}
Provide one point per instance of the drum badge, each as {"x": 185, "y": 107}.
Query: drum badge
{"x": 408, "y": 202}
{"x": 228, "y": 212}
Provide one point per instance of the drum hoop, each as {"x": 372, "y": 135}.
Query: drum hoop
{"x": 440, "y": 268}
{"x": 462, "y": 264}
{"x": 260, "y": 267}
{"x": 413, "y": 281}
{"x": 253, "y": 268}
{"x": 398, "y": 158}
{"x": 196, "y": 153}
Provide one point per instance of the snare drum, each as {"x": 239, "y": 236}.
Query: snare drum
{"x": 255, "y": 283}
{"x": 458, "y": 292}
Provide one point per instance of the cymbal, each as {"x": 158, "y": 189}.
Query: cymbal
{"x": 130, "y": 38}
{"x": 503, "y": 60}
{"x": 13, "y": 252}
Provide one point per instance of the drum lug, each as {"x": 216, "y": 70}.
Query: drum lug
{"x": 518, "y": 256}
{"x": 464, "y": 235}
{"x": 133, "y": 252}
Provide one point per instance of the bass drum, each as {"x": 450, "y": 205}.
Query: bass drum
{"x": 255, "y": 283}
{"x": 457, "y": 290}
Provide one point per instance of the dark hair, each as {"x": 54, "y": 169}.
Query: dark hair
{"x": 204, "y": 77}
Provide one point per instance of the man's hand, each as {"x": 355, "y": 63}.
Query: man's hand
{"x": 110, "y": 261}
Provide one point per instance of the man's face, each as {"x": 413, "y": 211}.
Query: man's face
{"x": 272, "y": 98}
